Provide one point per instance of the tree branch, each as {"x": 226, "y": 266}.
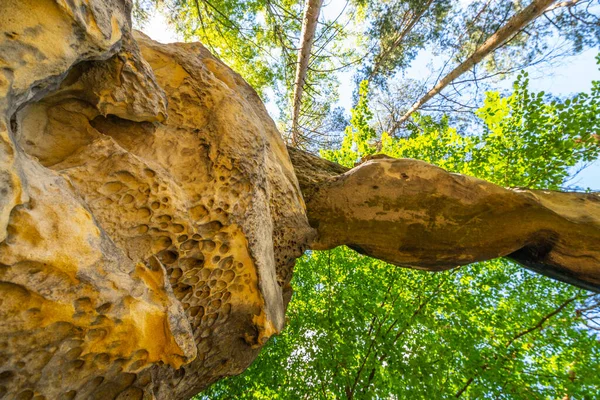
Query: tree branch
{"x": 513, "y": 26}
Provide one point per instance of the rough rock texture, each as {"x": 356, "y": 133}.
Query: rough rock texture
{"x": 140, "y": 256}
{"x": 413, "y": 214}
{"x": 150, "y": 214}
{"x": 74, "y": 308}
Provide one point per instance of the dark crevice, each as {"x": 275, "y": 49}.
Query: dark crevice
{"x": 535, "y": 258}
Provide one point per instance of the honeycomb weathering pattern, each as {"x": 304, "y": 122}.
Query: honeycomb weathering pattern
{"x": 149, "y": 217}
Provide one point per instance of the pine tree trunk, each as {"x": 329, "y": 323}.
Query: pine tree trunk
{"x": 312, "y": 9}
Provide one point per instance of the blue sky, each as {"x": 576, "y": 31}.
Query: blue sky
{"x": 572, "y": 75}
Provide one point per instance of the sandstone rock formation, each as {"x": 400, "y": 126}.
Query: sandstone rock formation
{"x": 150, "y": 214}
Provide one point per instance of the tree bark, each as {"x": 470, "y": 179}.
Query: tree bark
{"x": 514, "y": 25}
{"x": 416, "y": 215}
{"x": 309, "y": 26}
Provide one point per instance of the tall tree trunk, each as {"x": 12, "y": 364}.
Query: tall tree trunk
{"x": 514, "y": 25}
{"x": 312, "y": 9}
{"x": 414, "y": 214}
